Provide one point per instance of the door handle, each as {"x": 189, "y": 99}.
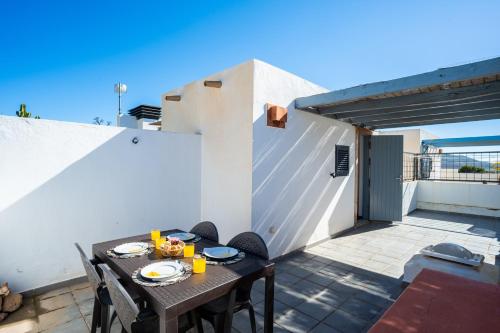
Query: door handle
{"x": 399, "y": 179}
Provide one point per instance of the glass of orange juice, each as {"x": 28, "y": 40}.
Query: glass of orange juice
{"x": 199, "y": 264}
{"x": 188, "y": 250}
{"x": 159, "y": 241}
{"x": 155, "y": 234}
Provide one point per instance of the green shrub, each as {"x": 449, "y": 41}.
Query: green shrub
{"x": 471, "y": 169}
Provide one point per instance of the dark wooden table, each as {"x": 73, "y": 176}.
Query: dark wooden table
{"x": 169, "y": 302}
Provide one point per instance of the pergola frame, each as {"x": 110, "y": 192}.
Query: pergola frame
{"x": 456, "y": 94}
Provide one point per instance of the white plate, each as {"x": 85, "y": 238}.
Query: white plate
{"x": 222, "y": 252}
{"x": 183, "y": 236}
{"x": 165, "y": 270}
{"x": 131, "y": 248}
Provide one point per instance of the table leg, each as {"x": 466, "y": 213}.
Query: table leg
{"x": 228, "y": 317}
{"x": 269, "y": 304}
{"x": 168, "y": 325}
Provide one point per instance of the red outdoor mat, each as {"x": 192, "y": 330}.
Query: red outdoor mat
{"x": 440, "y": 302}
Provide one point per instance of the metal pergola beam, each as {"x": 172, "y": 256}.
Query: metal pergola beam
{"x": 423, "y": 100}
{"x": 443, "y": 76}
{"x": 475, "y": 117}
{"x": 463, "y": 94}
{"x": 487, "y": 111}
{"x": 427, "y": 111}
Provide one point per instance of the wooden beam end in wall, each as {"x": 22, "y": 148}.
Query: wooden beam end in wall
{"x": 213, "y": 84}
{"x": 173, "y": 98}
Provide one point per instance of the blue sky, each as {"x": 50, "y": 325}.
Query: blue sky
{"x": 62, "y": 58}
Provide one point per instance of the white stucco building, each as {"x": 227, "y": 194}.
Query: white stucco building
{"x": 274, "y": 181}
{"x": 233, "y": 149}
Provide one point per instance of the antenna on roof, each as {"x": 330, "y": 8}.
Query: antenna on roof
{"x": 120, "y": 88}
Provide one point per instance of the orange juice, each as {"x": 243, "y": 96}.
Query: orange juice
{"x": 159, "y": 242}
{"x": 155, "y": 234}
{"x": 188, "y": 250}
{"x": 199, "y": 264}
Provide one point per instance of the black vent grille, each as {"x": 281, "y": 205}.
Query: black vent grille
{"x": 341, "y": 160}
{"x": 146, "y": 112}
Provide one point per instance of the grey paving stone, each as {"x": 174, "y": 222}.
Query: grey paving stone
{"x": 276, "y": 329}
{"x": 286, "y": 279}
{"x": 290, "y": 297}
{"x": 323, "y": 328}
{"x": 342, "y": 265}
{"x": 332, "y": 297}
{"x": 360, "y": 309}
{"x": 259, "y": 285}
{"x": 295, "y": 321}
{"x": 279, "y": 308}
{"x": 315, "y": 309}
{"x": 241, "y": 321}
{"x": 58, "y": 317}
{"x": 82, "y": 295}
{"x": 20, "y": 326}
{"x": 54, "y": 303}
{"x": 299, "y": 271}
{"x": 321, "y": 279}
{"x": 344, "y": 288}
{"x": 323, "y": 260}
{"x": 256, "y": 296}
{"x": 334, "y": 272}
{"x": 81, "y": 285}
{"x": 345, "y": 322}
{"x": 53, "y": 293}
{"x": 86, "y": 307}
{"x": 75, "y": 325}
{"x": 300, "y": 257}
{"x": 382, "y": 301}
{"x": 312, "y": 265}
{"x": 308, "y": 288}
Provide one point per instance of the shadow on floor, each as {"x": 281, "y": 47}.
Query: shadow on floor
{"x": 459, "y": 223}
{"x": 317, "y": 294}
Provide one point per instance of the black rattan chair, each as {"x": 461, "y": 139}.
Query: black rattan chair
{"x": 132, "y": 318}
{"x": 135, "y": 318}
{"x": 206, "y": 230}
{"x": 102, "y": 301}
{"x": 216, "y": 312}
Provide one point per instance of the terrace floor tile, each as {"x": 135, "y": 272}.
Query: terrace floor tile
{"x": 341, "y": 285}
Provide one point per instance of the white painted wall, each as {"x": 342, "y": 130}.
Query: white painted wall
{"x": 410, "y": 192}
{"x": 295, "y": 201}
{"x": 260, "y": 178}
{"x": 457, "y": 197}
{"x": 125, "y": 120}
{"x": 223, "y": 117}
{"x": 412, "y": 138}
{"x": 65, "y": 182}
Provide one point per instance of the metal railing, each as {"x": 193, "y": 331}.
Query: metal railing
{"x": 461, "y": 166}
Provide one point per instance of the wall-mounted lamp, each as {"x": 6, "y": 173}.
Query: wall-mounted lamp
{"x": 135, "y": 140}
{"x": 213, "y": 84}
{"x": 173, "y": 98}
{"x": 277, "y": 116}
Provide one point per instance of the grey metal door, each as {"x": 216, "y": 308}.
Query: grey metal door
{"x": 386, "y": 177}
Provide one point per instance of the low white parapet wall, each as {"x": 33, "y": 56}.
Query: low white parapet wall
{"x": 66, "y": 182}
{"x": 410, "y": 192}
{"x": 459, "y": 197}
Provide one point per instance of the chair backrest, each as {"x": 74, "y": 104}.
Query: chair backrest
{"x": 206, "y": 230}
{"x": 125, "y": 307}
{"x": 250, "y": 242}
{"x": 94, "y": 278}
